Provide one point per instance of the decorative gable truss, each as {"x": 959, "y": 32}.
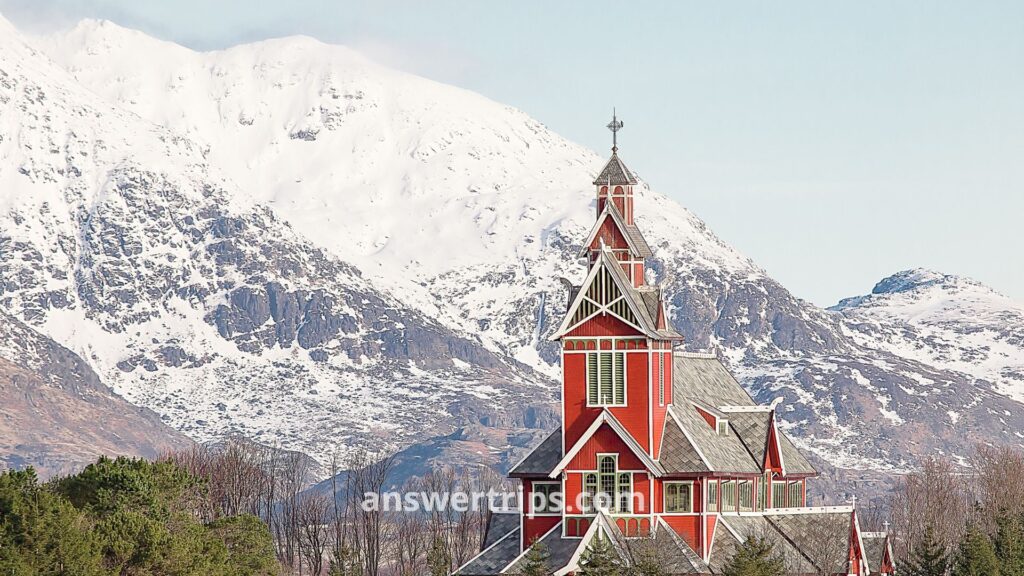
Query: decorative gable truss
{"x": 606, "y": 291}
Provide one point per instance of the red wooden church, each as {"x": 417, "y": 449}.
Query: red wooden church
{"x": 656, "y": 443}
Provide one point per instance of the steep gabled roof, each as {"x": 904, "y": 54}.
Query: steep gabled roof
{"x": 752, "y": 429}
{"x": 796, "y": 462}
{"x": 718, "y": 453}
{"x": 645, "y": 323}
{"x": 542, "y": 459}
{"x": 703, "y": 376}
{"x": 615, "y": 173}
{"x": 876, "y": 547}
{"x": 702, "y": 380}
{"x": 687, "y": 561}
{"x": 678, "y": 452}
{"x": 739, "y": 528}
{"x": 494, "y": 558}
{"x": 823, "y": 535}
{"x": 630, "y": 232}
{"x": 499, "y": 524}
{"x": 609, "y": 419}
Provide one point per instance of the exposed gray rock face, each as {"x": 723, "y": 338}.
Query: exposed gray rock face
{"x": 193, "y": 296}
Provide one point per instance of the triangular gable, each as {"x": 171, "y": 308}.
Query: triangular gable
{"x": 857, "y": 544}
{"x": 606, "y": 417}
{"x": 600, "y": 524}
{"x": 611, "y": 212}
{"x": 605, "y": 291}
{"x": 773, "y": 458}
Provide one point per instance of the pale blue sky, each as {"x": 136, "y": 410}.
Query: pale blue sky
{"x": 835, "y": 143}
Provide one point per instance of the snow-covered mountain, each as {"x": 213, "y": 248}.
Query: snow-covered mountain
{"x": 323, "y": 249}
{"x": 120, "y": 240}
{"x": 944, "y": 320}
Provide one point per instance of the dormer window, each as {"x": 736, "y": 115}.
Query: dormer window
{"x": 723, "y": 427}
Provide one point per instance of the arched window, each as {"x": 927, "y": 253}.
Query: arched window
{"x": 616, "y": 486}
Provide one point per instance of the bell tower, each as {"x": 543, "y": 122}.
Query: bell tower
{"x": 615, "y": 182}
{"x": 615, "y": 230}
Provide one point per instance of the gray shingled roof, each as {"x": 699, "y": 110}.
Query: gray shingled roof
{"x": 874, "y": 549}
{"x": 824, "y": 537}
{"x": 708, "y": 380}
{"x": 797, "y": 561}
{"x": 543, "y": 459}
{"x": 678, "y": 454}
{"x": 795, "y": 461}
{"x": 493, "y": 559}
{"x": 724, "y": 453}
{"x": 638, "y": 240}
{"x": 615, "y": 173}
{"x": 498, "y": 525}
{"x": 723, "y": 547}
{"x": 686, "y": 561}
{"x": 560, "y": 550}
{"x": 752, "y": 429}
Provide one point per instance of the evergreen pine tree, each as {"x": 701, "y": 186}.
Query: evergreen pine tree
{"x": 600, "y": 559}
{"x": 535, "y": 563}
{"x": 1009, "y": 545}
{"x": 976, "y": 555}
{"x": 756, "y": 557}
{"x": 928, "y": 557}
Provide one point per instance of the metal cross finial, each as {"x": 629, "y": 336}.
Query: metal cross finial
{"x": 615, "y": 125}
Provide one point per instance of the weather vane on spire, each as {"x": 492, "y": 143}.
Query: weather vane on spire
{"x": 615, "y": 125}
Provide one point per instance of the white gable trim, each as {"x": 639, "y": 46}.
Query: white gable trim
{"x": 526, "y": 549}
{"x": 671, "y": 411}
{"x": 617, "y": 274}
{"x": 606, "y": 417}
{"x": 774, "y": 432}
{"x": 574, "y": 562}
{"x": 609, "y": 210}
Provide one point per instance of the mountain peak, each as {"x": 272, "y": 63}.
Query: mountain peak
{"x": 907, "y": 280}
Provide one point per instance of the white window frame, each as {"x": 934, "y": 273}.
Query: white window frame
{"x": 546, "y": 511}
{"x": 596, "y": 402}
{"x": 664, "y": 496}
{"x": 617, "y": 494}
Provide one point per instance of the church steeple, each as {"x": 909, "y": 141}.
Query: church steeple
{"x": 615, "y": 182}
{"x": 614, "y": 228}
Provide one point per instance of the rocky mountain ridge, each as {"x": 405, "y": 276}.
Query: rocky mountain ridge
{"x": 326, "y": 250}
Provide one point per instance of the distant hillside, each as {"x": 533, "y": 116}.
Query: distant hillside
{"x": 57, "y": 416}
